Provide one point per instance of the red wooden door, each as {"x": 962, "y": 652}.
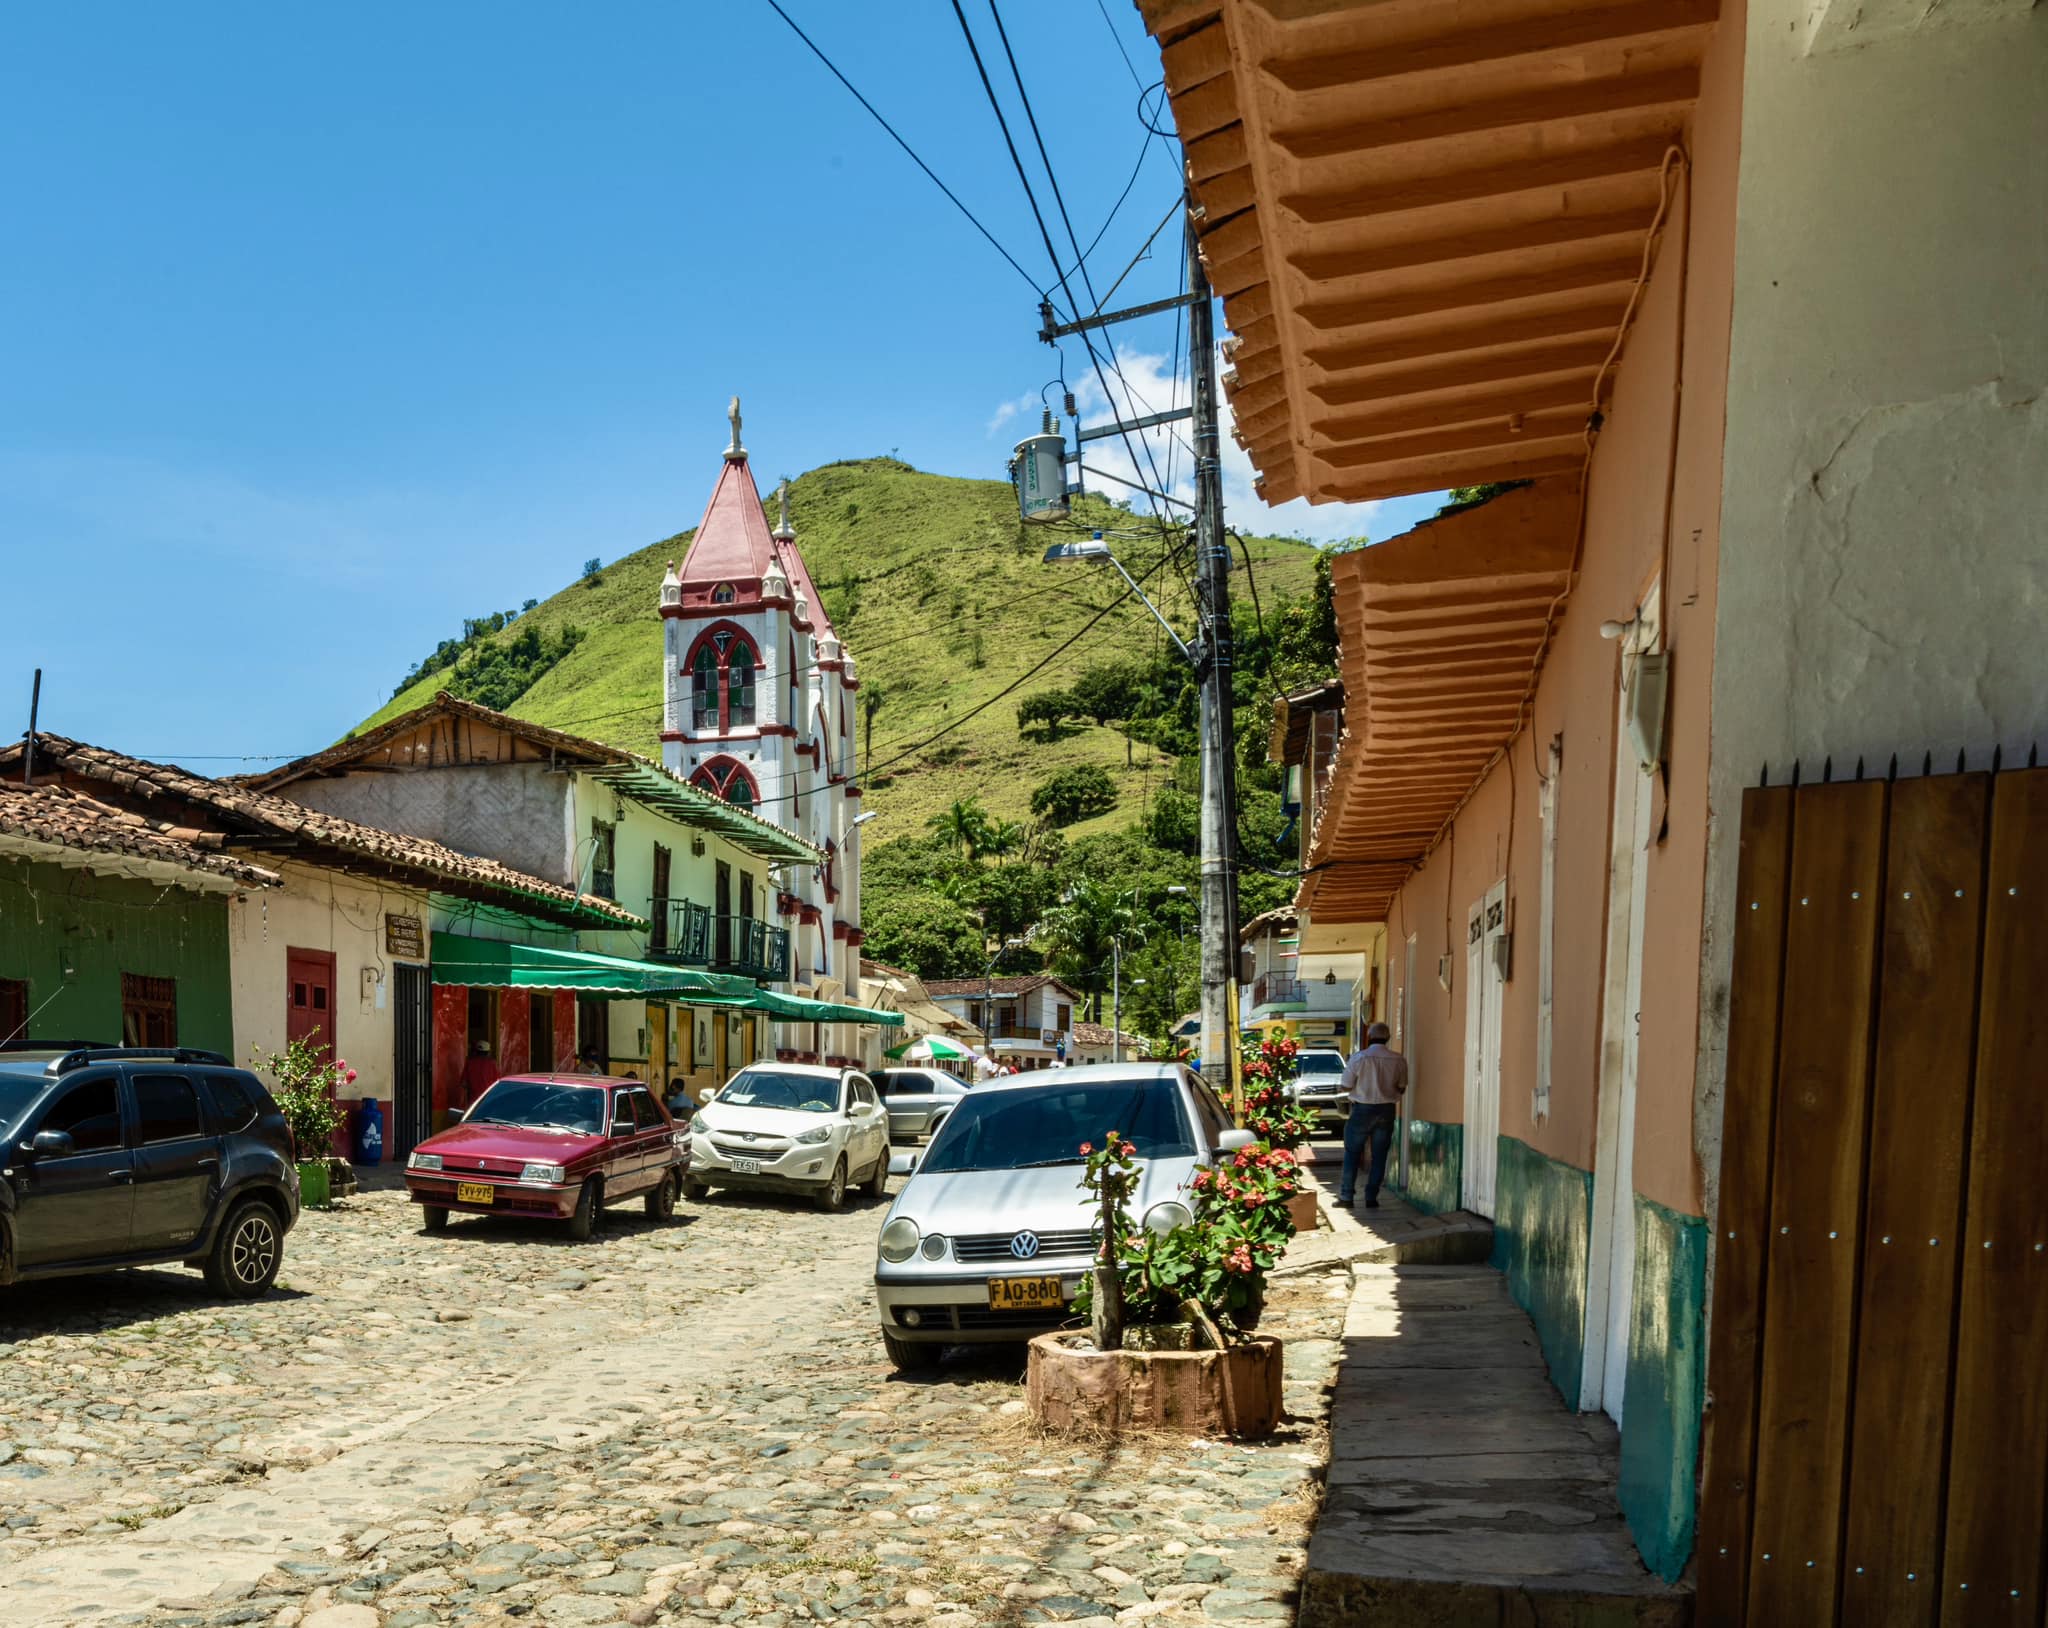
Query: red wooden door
{"x": 309, "y": 998}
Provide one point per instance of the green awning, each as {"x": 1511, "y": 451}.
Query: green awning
{"x": 801, "y": 1009}
{"x": 491, "y": 963}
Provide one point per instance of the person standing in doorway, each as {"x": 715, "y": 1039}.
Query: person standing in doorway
{"x": 1375, "y": 1080}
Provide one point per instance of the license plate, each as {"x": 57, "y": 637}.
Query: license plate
{"x": 746, "y": 1167}
{"x": 475, "y": 1192}
{"x": 1025, "y": 1294}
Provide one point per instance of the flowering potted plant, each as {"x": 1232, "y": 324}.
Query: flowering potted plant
{"x": 308, "y": 1083}
{"x": 1271, "y": 1112}
{"x": 1171, "y": 1312}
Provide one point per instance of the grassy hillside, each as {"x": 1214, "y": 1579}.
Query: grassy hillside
{"x": 939, "y": 592}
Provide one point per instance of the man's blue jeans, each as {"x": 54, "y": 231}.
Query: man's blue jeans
{"x": 1374, "y": 1121}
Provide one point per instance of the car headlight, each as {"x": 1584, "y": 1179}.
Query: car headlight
{"x": 424, "y": 1161}
{"x": 899, "y": 1239}
{"x": 1163, "y": 1217}
{"x": 543, "y": 1172}
{"x": 934, "y": 1248}
{"x": 812, "y": 1138}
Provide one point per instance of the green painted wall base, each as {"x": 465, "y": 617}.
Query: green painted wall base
{"x": 1542, "y": 1227}
{"x": 1660, "y": 1437}
{"x": 1436, "y": 1166}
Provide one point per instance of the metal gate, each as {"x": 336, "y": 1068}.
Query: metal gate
{"x": 412, "y": 1070}
{"x": 1877, "y": 1429}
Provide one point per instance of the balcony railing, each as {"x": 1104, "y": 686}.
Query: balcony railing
{"x": 1277, "y": 989}
{"x": 694, "y": 935}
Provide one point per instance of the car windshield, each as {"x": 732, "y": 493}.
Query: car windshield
{"x": 1318, "y": 1062}
{"x": 1046, "y": 1125}
{"x": 768, "y": 1088}
{"x": 540, "y": 1105}
{"x": 17, "y": 1092}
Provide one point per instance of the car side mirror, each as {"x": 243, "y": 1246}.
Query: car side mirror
{"x": 623, "y": 1127}
{"x": 52, "y": 1145}
{"x": 1235, "y": 1141}
{"x": 902, "y": 1164}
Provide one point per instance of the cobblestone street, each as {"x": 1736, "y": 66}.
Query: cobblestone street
{"x": 681, "y": 1422}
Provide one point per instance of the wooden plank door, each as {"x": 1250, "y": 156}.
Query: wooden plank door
{"x": 1810, "y": 1278}
{"x": 1998, "y": 1454}
{"x": 1920, "y": 1106}
{"x": 1742, "y": 1219}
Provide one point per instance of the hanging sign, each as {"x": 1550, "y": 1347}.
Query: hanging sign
{"x": 405, "y": 935}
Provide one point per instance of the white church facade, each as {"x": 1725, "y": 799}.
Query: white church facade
{"x": 759, "y": 697}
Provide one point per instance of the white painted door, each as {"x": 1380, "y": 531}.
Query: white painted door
{"x": 1404, "y": 1043}
{"x": 1484, "y": 990}
{"x": 1610, "y": 1287}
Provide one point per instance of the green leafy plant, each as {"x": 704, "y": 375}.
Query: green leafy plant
{"x": 1270, "y": 1110}
{"x": 1216, "y": 1262}
{"x": 308, "y": 1083}
{"x": 1074, "y": 794}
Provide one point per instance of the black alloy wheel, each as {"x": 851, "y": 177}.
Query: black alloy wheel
{"x": 247, "y": 1252}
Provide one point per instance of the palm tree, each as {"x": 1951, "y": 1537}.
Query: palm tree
{"x": 1083, "y": 930}
{"x": 1003, "y": 837}
{"x": 965, "y": 825}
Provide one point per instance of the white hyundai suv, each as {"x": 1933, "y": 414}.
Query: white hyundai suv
{"x": 791, "y": 1128}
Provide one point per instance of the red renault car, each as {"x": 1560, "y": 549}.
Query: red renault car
{"x": 553, "y": 1146}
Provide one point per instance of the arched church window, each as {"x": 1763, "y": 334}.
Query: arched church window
{"x": 704, "y": 689}
{"x": 739, "y": 685}
{"x": 796, "y": 682}
{"x": 723, "y": 594}
{"x": 728, "y": 778}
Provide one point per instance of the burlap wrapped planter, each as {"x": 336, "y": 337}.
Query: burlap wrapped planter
{"x": 1072, "y": 1387}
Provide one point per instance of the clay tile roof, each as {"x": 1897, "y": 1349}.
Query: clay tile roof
{"x": 1101, "y": 1034}
{"x": 160, "y": 789}
{"x": 55, "y": 817}
{"x": 732, "y": 542}
{"x": 1021, "y": 985}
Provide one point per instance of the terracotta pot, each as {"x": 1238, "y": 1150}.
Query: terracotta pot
{"x": 1074, "y": 1388}
{"x": 1301, "y": 1210}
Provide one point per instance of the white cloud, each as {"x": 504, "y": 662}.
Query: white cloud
{"x": 1009, "y": 410}
{"x": 1139, "y": 385}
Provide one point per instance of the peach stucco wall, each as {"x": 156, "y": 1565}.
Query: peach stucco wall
{"x": 1577, "y": 699}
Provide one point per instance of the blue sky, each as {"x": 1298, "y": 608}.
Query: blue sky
{"x": 325, "y": 327}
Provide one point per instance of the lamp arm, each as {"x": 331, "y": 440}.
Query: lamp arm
{"x": 1179, "y": 644}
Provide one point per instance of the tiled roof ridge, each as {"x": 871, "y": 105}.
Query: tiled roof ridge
{"x": 146, "y": 779}
{"x": 39, "y": 814}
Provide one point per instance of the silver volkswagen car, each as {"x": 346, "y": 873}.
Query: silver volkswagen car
{"x": 990, "y": 1238}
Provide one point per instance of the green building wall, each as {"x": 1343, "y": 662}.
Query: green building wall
{"x": 1542, "y": 1232}
{"x": 98, "y": 927}
{"x": 1666, "y": 1386}
{"x": 1436, "y": 1166}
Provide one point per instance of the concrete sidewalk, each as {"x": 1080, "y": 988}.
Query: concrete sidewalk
{"x": 1462, "y": 1491}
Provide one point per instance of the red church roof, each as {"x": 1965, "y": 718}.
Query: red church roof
{"x": 732, "y": 543}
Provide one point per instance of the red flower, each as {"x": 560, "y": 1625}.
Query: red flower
{"x": 1087, "y": 1148}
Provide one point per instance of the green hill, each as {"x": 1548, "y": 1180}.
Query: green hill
{"x": 939, "y": 592}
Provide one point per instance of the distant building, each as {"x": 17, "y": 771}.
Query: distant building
{"x": 1289, "y": 993}
{"x": 759, "y": 703}
{"x": 1029, "y": 1020}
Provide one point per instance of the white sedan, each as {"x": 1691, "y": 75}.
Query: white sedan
{"x": 791, "y": 1128}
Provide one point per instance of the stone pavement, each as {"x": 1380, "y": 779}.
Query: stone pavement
{"x": 681, "y": 1423}
{"x": 1394, "y": 1232}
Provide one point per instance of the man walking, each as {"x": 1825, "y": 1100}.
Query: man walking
{"x": 1375, "y": 1080}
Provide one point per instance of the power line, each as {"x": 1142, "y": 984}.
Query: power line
{"x": 907, "y": 148}
{"x": 1120, "y": 51}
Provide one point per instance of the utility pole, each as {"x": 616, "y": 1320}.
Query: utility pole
{"x": 1217, "y": 664}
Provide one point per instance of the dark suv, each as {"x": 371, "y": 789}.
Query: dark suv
{"x": 121, "y": 1156}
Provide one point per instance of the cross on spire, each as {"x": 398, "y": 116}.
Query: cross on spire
{"x": 782, "y": 528}
{"x": 735, "y": 453}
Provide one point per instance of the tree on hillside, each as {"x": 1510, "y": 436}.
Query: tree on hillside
{"x": 1175, "y": 822}
{"x": 1110, "y": 692}
{"x": 1004, "y": 837}
{"x": 1043, "y": 713}
{"x": 965, "y": 825}
{"x": 926, "y": 932}
{"x": 1073, "y": 794}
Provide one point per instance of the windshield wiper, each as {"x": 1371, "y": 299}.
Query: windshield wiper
{"x": 1043, "y": 1164}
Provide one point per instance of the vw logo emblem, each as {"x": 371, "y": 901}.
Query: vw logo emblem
{"x": 1024, "y": 1245}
